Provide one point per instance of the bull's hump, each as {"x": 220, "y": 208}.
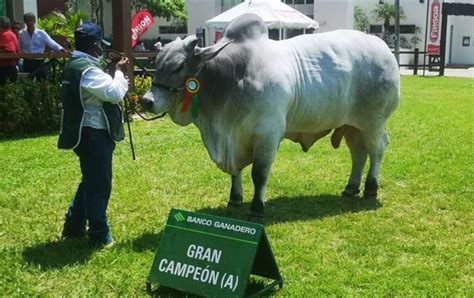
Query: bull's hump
{"x": 247, "y": 26}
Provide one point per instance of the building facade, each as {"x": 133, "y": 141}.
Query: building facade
{"x": 331, "y": 15}
{"x": 339, "y": 14}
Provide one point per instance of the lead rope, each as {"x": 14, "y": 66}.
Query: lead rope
{"x": 127, "y": 103}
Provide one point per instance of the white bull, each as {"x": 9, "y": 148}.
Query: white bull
{"x": 256, "y": 91}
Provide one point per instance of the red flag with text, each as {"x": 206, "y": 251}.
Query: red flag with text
{"x": 435, "y": 28}
{"x": 141, "y": 22}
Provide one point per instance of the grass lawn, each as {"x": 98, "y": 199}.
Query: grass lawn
{"x": 418, "y": 242}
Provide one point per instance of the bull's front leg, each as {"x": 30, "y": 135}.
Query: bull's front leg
{"x": 264, "y": 154}
{"x": 236, "y": 195}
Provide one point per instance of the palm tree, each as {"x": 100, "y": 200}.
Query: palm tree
{"x": 385, "y": 13}
{"x": 360, "y": 19}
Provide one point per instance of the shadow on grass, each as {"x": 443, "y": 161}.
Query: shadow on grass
{"x": 58, "y": 254}
{"x": 253, "y": 286}
{"x": 146, "y": 242}
{"x": 286, "y": 209}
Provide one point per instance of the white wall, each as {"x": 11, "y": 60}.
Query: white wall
{"x": 199, "y": 11}
{"x": 30, "y": 6}
{"x": 334, "y": 14}
{"x": 456, "y": 52}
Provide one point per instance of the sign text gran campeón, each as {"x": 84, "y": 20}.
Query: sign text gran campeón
{"x": 212, "y": 256}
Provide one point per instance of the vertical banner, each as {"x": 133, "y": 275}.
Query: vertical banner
{"x": 3, "y": 7}
{"x": 141, "y": 22}
{"x": 434, "y": 28}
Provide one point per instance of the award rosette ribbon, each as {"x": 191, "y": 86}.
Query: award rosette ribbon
{"x": 191, "y": 89}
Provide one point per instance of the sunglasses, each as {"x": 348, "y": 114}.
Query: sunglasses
{"x": 16, "y": 28}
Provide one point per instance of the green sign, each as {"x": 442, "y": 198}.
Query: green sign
{"x": 3, "y": 7}
{"x": 212, "y": 256}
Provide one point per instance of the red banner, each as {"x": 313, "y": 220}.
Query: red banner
{"x": 433, "y": 49}
{"x": 141, "y": 22}
{"x": 435, "y": 26}
{"x": 435, "y": 20}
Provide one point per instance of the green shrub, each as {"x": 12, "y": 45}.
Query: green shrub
{"x": 29, "y": 107}
{"x": 142, "y": 85}
{"x": 14, "y": 109}
{"x": 32, "y": 107}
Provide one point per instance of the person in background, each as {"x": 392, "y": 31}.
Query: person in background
{"x": 34, "y": 41}
{"x": 140, "y": 46}
{"x": 17, "y": 26}
{"x": 8, "y": 44}
{"x": 158, "y": 45}
{"x": 91, "y": 124}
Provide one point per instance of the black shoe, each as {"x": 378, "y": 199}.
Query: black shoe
{"x": 69, "y": 232}
{"x": 107, "y": 242}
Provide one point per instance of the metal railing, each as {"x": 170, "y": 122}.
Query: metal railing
{"x": 143, "y": 61}
{"x": 433, "y": 61}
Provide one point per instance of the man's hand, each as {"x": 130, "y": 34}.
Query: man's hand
{"x": 122, "y": 65}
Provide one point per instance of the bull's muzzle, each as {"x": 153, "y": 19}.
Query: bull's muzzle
{"x": 146, "y": 102}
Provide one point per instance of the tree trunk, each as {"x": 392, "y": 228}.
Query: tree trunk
{"x": 94, "y": 11}
{"x": 386, "y": 25}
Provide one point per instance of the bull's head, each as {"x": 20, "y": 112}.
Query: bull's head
{"x": 175, "y": 63}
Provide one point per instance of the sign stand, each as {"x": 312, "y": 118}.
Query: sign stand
{"x": 212, "y": 256}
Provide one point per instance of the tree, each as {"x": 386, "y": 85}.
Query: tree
{"x": 415, "y": 39}
{"x": 163, "y": 8}
{"x": 385, "y": 13}
{"x": 58, "y": 24}
{"x": 361, "y": 19}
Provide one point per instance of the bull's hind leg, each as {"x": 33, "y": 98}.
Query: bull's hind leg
{"x": 355, "y": 142}
{"x": 376, "y": 147}
{"x": 236, "y": 195}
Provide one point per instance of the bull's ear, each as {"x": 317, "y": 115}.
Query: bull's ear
{"x": 210, "y": 52}
{"x": 190, "y": 43}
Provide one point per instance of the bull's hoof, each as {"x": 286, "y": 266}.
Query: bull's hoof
{"x": 234, "y": 204}
{"x": 370, "y": 189}
{"x": 370, "y": 195}
{"x": 350, "y": 191}
{"x": 256, "y": 217}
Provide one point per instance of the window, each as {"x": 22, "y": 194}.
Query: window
{"x": 404, "y": 29}
{"x": 174, "y": 29}
{"x": 375, "y": 29}
{"x": 409, "y": 29}
{"x": 293, "y": 32}
{"x": 228, "y": 4}
{"x": 466, "y": 41}
{"x": 274, "y": 34}
{"x": 299, "y": 2}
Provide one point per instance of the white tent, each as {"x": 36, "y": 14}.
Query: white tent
{"x": 276, "y": 14}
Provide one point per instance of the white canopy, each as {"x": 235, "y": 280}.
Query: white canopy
{"x": 275, "y": 14}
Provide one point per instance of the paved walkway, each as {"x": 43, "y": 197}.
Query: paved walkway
{"x": 448, "y": 72}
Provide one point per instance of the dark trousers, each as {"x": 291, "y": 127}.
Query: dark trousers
{"x": 8, "y": 73}
{"x": 90, "y": 203}
{"x": 35, "y": 68}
